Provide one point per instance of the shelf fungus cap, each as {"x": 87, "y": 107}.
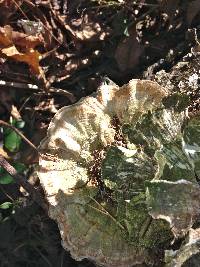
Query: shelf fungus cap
{"x": 188, "y": 254}
{"x": 103, "y": 165}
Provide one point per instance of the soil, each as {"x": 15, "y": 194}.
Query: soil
{"x": 55, "y": 52}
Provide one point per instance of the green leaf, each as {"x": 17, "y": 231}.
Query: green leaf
{"x": 12, "y": 141}
{"x": 20, "y": 167}
{"x": 19, "y": 124}
{"x": 191, "y": 146}
{"x": 1, "y": 170}
{"x": 6, "y": 205}
{"x": 6, "y": 179}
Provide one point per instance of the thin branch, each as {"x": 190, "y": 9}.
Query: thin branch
{"x": 4, "y": 192}
{"x": 20, "y": 180}
{"x": 104, "y": 211}
{"x": 5, "y": 124}
{"x": 35, "y": 88}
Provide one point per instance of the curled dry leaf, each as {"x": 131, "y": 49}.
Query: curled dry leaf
{"x": 9, "y": 37}
{"x": 106, "y": 164}
{"x": 31, "y": 57}
{"x": 8, "y": 41}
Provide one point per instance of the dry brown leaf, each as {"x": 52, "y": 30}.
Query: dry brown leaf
{"x": 128, "y": 51}
{"x": 31, "y": 58}
{"x": 9, "y": 37}
{"x": 192, "y": 11}
{"x": 27, "y": 41}
{"x": 5, "y": 36}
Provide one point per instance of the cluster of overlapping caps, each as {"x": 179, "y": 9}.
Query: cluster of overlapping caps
{"x": 119, "y": 170}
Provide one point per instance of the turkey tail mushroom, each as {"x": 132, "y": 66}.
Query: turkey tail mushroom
{"x": 102, "y": 194}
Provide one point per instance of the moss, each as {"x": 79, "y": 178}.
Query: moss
{"x": 177, "y": 101}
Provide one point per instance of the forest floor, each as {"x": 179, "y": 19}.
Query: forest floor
{"x": 52, "y": 53}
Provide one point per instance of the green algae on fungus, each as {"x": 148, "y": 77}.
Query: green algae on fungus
{"x": 113, "y": 168}
{"x": 191, "y": 143}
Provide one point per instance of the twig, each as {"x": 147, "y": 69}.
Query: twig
{"x": 1, "y": 187}
{"x": 104, "y": 211}
{"x": 20, "y": 180}
{"x": 35, "y": 88}
{"x": 3, "y": 123}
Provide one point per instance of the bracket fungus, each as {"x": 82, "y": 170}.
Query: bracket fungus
{"x": 117, "y": 174}
{"x": 188, "y": 255}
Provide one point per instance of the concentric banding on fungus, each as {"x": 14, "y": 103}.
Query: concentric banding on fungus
{"x": 102, "y": 165}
